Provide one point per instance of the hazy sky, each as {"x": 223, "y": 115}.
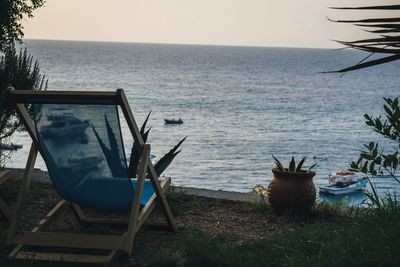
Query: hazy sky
{"x": 293, "y": 23}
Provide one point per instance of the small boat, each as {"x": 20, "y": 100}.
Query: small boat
{"x": 80, "y": 164}
{"x": 10, "y": 146}
{"x": 173, "y": 121}
{"x": 344, "y": 182}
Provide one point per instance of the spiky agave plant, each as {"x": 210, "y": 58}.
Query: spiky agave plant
{"x": 135, "y": 152}
{"x": 292, "y": 165}
{"x": 162, "y": 164}
{"x": 115, "y": 164}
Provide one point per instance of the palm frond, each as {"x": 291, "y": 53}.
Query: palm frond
{"x": 388, "y": 41}
{"x": 377, "y": 20}
{"x": 370, "y": 63}
{"x": 384, "y": 7}
{"x": 380, "y": 25}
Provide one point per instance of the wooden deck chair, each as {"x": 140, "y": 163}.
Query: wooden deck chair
{"x": 4, "y": 175}
{"x": 79, "y": 137}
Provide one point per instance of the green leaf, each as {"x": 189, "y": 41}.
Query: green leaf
{"x": 278, "y": 163}
{"x": 369, "y": 63}
{"x": 142, "y": 129}
{"x": 378, "y": 124}
{"x": 386, "y": 162}
{"x": 298, "y": 169}
{"x": 166, "y": 160}
{"x": 364, "y": 168}
{"x": 292, "y": 165}
{"x": 353, "y": 165}
{"x": 395, "y": 103}
{"x": 366, "y": 156}
{"x": 375, "y": 152}
{"x": 384, "y": 7}
{"x": 312, "y": 166}
{"x": 387, "y": 109}
{"x": 371, "y": 145}
{"x": 395, "y": 162}
{"x": 372, "y": 167}
{"x": 369, "y": 120}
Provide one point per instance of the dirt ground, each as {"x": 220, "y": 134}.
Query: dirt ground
{"x": 236, "y": 222}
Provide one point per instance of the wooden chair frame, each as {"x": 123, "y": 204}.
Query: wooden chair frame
{"x": 4, "y": 176}
{"x": 137, "y": 216}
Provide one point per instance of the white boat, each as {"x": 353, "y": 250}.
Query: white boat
{"x": 344, "y": 182}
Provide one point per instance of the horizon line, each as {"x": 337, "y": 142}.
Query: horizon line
{"x": 187, "y": 44}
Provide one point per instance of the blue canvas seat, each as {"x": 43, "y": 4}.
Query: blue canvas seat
{"x": 84, "y": 153}
{"x": 110, "y": 194}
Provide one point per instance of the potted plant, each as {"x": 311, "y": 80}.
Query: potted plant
{"x": 292, "y": 189}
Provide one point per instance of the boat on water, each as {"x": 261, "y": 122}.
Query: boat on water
{"x": 344, "y": 182}
{"x": 65, "y": 124}
{"x": 173, "y": 121}
{"x": 10, "y": 146}
{"x": 80, "y": 164}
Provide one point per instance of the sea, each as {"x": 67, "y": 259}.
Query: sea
{"x": 239, "y": 105}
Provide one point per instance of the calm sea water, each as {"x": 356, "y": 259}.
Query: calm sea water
{"x": 239, "y": 104}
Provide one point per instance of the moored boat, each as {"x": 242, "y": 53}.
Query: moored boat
{"x": 80, "y": 164}
{"x": 173, "y": 121}
{"x": 10, "y": 146}
{"x": 344, "y": 182}
{"x": 65, "y": 124}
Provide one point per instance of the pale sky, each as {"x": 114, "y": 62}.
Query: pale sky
{"x": 288, "y": 23}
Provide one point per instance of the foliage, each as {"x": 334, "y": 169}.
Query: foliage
{"x": 372, "y": 160}
{"x": 11, "y": 14}
{"x": 387, "y": 41}
{"x": 20, "y": 71}
{"x": 362, "y": 238}
{"x": 17, "y": 70}
{"x": 166, "y": 160}
{"x": 115, "y": 163}
{"x": 135, "y": 152}
{"x": 292, "y": 165}
{"x": 162, "y": 164}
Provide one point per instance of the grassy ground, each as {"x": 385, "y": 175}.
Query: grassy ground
{"x": 224, "y": 233}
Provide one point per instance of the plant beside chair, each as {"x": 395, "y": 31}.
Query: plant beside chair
{"x": 292, "y": 189}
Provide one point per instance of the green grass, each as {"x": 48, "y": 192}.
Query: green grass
{"x": 365, "y": 239}
{"x": 332, "y": 235}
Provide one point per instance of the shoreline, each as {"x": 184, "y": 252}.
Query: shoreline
{"x": 41, "y": 176}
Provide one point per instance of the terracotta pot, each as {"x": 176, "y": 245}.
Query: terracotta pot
{"x": 291, "y": 191}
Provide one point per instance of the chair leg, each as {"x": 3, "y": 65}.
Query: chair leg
{"x": 161, "y": 198}
{"x": 4, "y": 176}
{"x": 133, "y": 218}
{"x": 23, "y": 191}
{"x": 5, "y": 211}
